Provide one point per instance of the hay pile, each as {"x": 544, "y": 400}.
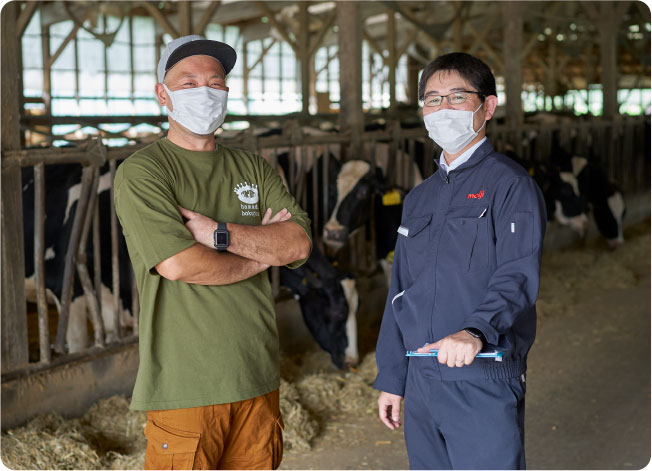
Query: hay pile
{"x": 108, "y": 436}
{"x": 49, "y": 442}
{"x": 314, "y": 393}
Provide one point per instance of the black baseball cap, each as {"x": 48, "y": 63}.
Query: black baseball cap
{"x": 195, "y": 45}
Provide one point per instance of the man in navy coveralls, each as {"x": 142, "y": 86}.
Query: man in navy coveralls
{"x": 465, "y": 279}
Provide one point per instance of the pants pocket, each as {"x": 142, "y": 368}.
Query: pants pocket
{"x": 169, "y": 448}
{"x": 277, "y": 442}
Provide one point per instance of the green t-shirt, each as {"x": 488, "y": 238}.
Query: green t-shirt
{"x": 199, "y": 345}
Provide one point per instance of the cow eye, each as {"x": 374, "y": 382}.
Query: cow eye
{"x": 362, "y": 193}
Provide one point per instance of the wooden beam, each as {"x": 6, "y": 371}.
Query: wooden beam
{"x": 62, "y": 46}
{"x": 513, "y": 71}
{"x": 392, "y": 59}
{"x": 47, "y": 79}
{"x": 480, "y": 37}
{"x": 328, "y": 61}
{"x": 488, "y": 49}
{"x": 317, "y": 42}
{"x": 184, "y": 10}
{"x": 410, "y": 40}
{"x": 160, "y": 18}
{"x": 25, "y": 17}
{"x": 279, "y": 27}
{"x": 262, "y": 56}
{"x": 303, "y": 56}
{"x": 372, "y": 42}
{"x": 13, "y": 321}
{"x": 350, "y": 52}
{"x": 206, "y": 18}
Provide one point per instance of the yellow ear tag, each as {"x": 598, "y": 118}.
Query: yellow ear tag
{"x": 304, "y": 281}
{"x": 390, "y": 257}
{"x": 531, "y": 171}
{"x": 392, "y": 198}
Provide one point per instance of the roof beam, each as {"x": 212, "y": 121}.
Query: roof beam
{"x": 206, "y": 17}
{"x": 25, "y": 17}
{"x": 160, "y": 19}
{"x": 279, "y": 27}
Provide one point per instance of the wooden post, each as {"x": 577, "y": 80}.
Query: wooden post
{"x": 350, "y": 48}
{"x": 609, "y": 68}
{"x": 391, "y": 47}
{"x": 608, "y": 16}
{"x": 14, "y": 346}
{"x": 47, "y": 80}
{"x": 512, "y": 39}
{"x": 304, "y": 59}
{"x": 413, "y": 80}
{"x": 185, "y": 18}
{"x": 45, "y": 354}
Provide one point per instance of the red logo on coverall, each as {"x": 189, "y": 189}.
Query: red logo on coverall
{"x": 475, "y": 196}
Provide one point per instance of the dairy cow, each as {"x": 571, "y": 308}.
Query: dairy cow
{"x": 328, "y": 297}
{"x": 62, "y": 190}
{"x": 604, "y": 199}
{"x": 329, "y": 302}
{"x": 560, "y": 193}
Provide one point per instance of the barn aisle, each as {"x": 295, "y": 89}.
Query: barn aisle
{"x": 588, "y": 397}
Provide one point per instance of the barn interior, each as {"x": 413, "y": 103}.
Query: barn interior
{"x": 312, "y": 79}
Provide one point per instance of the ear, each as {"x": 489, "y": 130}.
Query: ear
{"x": 162, "y": 95}
{"x": 490, "y": 104}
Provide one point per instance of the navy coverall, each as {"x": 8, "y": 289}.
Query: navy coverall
{"x": 467, "y": 256}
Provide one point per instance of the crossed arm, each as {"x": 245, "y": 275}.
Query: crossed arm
{"x": 252, "y": 249}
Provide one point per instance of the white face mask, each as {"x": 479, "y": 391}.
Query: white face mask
{"x": 201, "y": 110}
{"x": 452, "y": 130}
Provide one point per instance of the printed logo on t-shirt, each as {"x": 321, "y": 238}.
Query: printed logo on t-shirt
{"x": 248, "y": 196}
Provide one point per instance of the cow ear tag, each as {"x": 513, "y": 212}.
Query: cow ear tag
{"x": 531, "y": 171}
{"x": 392, "y": 198}
{"x": 390, "y": 257}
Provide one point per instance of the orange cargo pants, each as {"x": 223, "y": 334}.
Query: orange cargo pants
{"x": 240, "y": 435}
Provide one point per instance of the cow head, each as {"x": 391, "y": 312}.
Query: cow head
{"x": 569, "y": 209}
{"x": 356, "y": 185}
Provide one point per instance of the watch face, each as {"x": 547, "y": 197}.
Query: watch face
{"x": 221, "y": 238}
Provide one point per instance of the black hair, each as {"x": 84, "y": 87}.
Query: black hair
{"x": 470, "y": 68}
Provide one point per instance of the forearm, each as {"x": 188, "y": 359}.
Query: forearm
{"x": 203, "y": 266}
{"x": 274, "y": 244}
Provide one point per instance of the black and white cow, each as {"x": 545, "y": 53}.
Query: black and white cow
{"x": 329, "y": 302}
{"x": 62, "y": 190}
{"x": 359, "y": 190}
{"x": 601, "y": 196}
{"x": 328, "y": 297}
{"x": 560, "y": 193}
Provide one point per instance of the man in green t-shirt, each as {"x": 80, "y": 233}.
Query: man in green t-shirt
{"x": 209, "y": 354}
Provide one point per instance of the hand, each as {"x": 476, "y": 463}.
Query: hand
{"x": 201, "y": 227}
{"x": 458, "y": 349}
{"x": 389, "y": 409}
{"x": 282, "y": 215}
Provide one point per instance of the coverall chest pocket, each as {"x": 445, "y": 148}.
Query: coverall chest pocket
{"x": 464, "y": 244}
{"x": 417, "y": 242}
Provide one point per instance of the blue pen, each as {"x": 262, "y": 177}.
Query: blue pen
{"x": 496, "y": 355}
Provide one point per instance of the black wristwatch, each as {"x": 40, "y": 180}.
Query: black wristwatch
{"x": 477, "y": 333}
{"x": 221, "y": 237}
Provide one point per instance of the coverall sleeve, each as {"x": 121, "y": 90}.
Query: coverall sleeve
{"x": 520, "y": 221}
{"x": 390, "y": 350}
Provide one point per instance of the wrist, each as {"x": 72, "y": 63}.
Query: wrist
{"x": 476, "y": 334}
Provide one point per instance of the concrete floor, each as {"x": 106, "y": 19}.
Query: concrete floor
{"x": 588, "y": 389}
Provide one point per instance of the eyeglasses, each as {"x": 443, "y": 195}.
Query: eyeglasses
{"x": 455, "y": 98}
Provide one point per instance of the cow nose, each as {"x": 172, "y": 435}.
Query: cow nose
{"x": 335, "y": 235}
